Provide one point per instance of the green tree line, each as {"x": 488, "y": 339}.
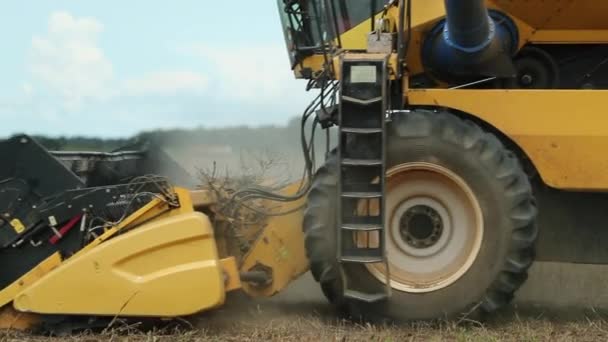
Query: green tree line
{"x": 286, "y": 137}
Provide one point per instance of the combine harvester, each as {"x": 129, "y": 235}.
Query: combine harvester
{"x": 468, "y": 130}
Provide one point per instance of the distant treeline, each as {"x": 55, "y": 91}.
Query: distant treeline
{"x": 81, "y": 143}
{"x": 285, "y": 137}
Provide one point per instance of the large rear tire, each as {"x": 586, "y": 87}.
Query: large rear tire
{"x": 480, "y": 200}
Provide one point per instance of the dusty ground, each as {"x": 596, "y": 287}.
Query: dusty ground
{"x": 302, "y": 315}
{"x": 313, "y": 329}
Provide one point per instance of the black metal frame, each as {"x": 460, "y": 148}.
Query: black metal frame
{"x": 362, "y": 121}
{"x": 41, "y": 200}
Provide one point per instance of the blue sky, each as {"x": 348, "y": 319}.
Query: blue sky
{"x": 113, "y": 68}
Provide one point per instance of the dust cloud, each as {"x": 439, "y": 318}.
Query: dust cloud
{"x": 573, "y": 289}
{"x": 277, "y": 157}
{"x": 303, "y": 299}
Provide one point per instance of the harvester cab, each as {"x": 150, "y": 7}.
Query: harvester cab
{"x": 465, "y": 128}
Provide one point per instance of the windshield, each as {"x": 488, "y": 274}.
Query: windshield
{"x": 310, "y": 25}
{"x": 305, "y": 26}
{"x": 352, "y": 13}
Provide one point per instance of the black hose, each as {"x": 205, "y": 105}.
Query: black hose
{"x": 257, "y": 192}
{"x": 405, "y": 14}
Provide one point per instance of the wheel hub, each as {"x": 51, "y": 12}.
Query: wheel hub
{"x": 421, "y": 226}
{"x": 527, "y": 79}
{"x": 434, "y": 228}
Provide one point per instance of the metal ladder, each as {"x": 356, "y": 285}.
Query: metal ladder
{"x": 362, "y": 169}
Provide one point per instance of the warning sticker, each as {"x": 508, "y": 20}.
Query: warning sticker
{"x": 18, "y": 226}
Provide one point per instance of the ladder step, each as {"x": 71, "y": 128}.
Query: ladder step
{"x": 361, "y": 162}
{"x": 365, "y": 297}
{"x": 362, "y": 227}
{"x": 361, "y": 130}
{"x": 362, "y": 127}
{"x": 362, "y": 101}
{"x": 367, "y": 259}
{"x": 362, "y": 195}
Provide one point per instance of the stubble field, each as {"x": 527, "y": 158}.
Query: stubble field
{"x": 302, "y": 315}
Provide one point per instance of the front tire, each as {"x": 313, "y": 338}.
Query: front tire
{"x": 495, "y": 234}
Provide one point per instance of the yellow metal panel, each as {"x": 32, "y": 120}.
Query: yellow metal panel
{"x": 314, "y": 63}
{"x": 231, "y": 274}
{"x": 186, "y": 204}
{"x": 356, "y": 37}
{"x": 569, "y": 36}
{"x": 152, "y": 210}
{"x": 559, "y": 14}
{"x": 280, "y": 247}
{"x": 558, "y": 21}
{"x": 8, "y": 293}
{"x": 426, "y": 11}
{"x": 564, "y": 132}
{"x": 167, "y": 267}
{"x": 539, "y": 21}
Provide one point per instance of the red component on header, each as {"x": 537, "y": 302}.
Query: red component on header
{"x": 65, "y": 229}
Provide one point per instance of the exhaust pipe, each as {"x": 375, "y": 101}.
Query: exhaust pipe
{"x": 470, "y": 43}
{"x": 468, "y": 26}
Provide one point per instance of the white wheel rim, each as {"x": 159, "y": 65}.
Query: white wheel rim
{"x": 437, "y": 259}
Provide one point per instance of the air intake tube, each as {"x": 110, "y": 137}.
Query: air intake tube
{"x": 471, "y": 43}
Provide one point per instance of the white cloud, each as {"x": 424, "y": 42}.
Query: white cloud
{"x": 73, "y": 87}
{"x": 62, "y": 23}
{"x": 28, "y": 89}
{"x": 167, "y": 83}
{"x": 67, "y": 60}
{"x": 253, "y": 74}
